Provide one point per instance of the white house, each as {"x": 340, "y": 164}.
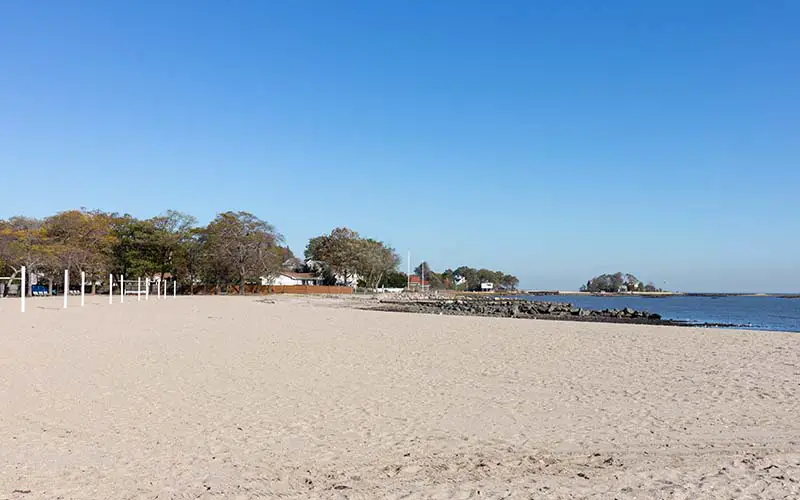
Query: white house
{"x": 318, "y": 267}
{"x": 291, "y": 278}
{"x": 487, "y": 286}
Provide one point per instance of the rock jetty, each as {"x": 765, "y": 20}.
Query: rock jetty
{"x": 517, "y": 308}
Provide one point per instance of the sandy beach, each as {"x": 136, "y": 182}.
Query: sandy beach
{"x": 229, "y": 397}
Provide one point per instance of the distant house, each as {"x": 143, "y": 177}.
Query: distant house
{"x": 417, "y": 283}
{"x": 288, "y": 278}
{"x": 487, "y": 286}
{"x": 319, "y": 267}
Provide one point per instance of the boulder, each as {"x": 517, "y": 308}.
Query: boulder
{"x": 514, "y": 308}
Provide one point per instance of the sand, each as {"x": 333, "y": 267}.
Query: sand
{"x": 228, "y": 397}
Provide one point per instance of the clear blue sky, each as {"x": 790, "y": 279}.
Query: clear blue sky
{"x": 555, "y": 140}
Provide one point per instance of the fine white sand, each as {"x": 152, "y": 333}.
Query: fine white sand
{"x": 230, "y": 397}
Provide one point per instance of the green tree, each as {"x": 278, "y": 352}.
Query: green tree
{"x": 650, "y": 287}
{"x": 136, "y": 252}
{"x": 171, "y": 231}
{"x": 448, "y": 278}
{"x": 434, "y": 279}
{"x": 470, "y": 275}
{"x": 423, "y": 269}
{"x": 394, "y": 279}
{"x": 191, "y": 258}
{"x": 509, "y": 281}
{"x": 613, "y": 283}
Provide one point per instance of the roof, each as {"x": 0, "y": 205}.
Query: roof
{"x": 416, "y": 280}
{"x": 301, "y": 276}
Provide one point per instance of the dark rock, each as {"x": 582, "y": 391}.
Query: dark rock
{"x": 506, "y": 308}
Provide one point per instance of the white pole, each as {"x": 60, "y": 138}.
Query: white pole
{"x": 174, "y": 288}
{"x": 408, "y": 275}
{"x": 158, "y": 288}
{"x": 121, "y": 288}
{"x": 110, "y": 288}
{"x": 147, "y": 289}
{"x": 138, "y": 289}
{"x": 83, "y": 288}
{"x": 22, "y": 290}
{"x": 165, "y": 289}
{"x": 66, "y": 287}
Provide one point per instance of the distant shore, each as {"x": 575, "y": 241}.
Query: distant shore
{"x": 520, "y": 308}
{"x": 658, "y": 294}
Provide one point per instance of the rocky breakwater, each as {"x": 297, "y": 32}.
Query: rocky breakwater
{"x": 516, "y": 308}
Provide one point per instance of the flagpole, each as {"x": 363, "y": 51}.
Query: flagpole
{"x": 408, "y": 275}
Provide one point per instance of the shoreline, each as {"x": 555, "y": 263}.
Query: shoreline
{"x": 653, "y": 294}
{"x": 524, "y": 309}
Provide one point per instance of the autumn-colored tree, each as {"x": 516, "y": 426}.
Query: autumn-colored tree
{"x": 243, "y": 247}
{"x": 347, "y": 257}
{"x": 235, "y": 247}
{"x": 376, "y": 259}
{"x": 23, "y": 242}
{"x": 337, "y": 252}
{"x": 81, "y": 241}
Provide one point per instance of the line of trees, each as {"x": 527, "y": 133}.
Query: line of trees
{"x": 465, "y": 278}
{"x": 618, "y": 282}
{"x": 234, "y": 248}
{"x": 343, "y": 256}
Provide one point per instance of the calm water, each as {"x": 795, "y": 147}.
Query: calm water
{"x": 757, "y": 313}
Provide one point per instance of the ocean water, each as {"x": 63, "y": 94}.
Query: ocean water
{"x": 755, "y": 313}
